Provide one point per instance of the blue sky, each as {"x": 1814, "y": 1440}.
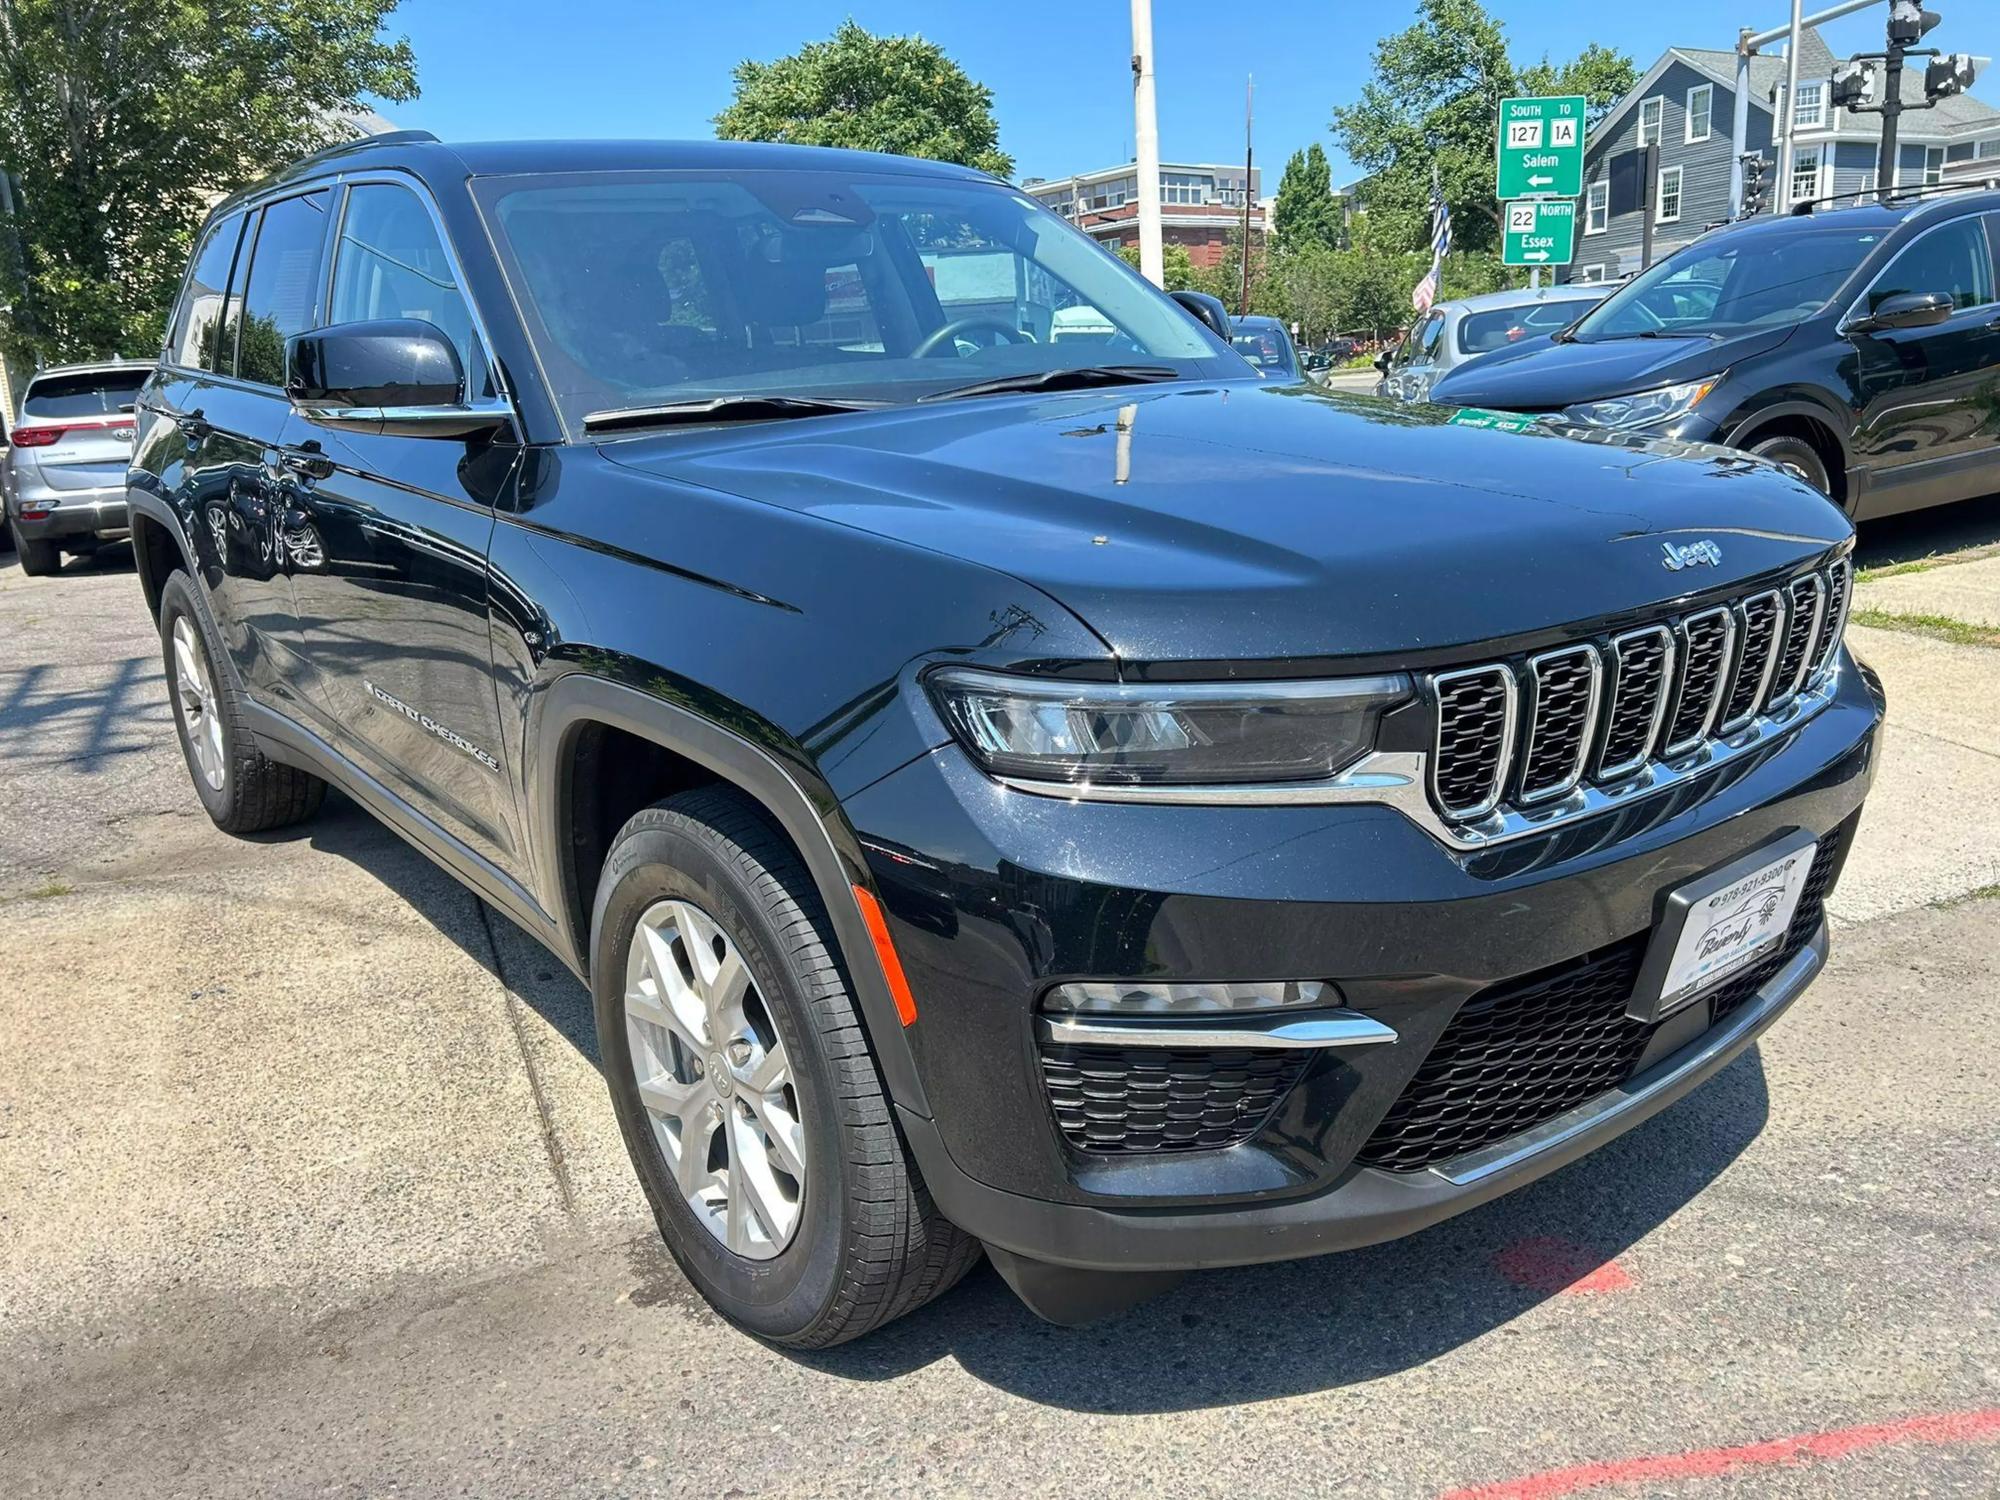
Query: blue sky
{"x": 497, "y": 69}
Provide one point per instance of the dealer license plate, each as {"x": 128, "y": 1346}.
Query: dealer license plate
{"x": 1728, "y": 921}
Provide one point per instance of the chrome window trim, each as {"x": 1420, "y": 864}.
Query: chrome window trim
{"x": 1626, "y": 767}
{"x": 1783, "y": 693}
{"x": 1717, "y": 695}
{"x": 1277, "y": 1031}
{"x": 1504, "y": 762}
{"x": 1742, "y": 611}
{"x": 1589, "y": 737}
{"x": 1845, "y": 327}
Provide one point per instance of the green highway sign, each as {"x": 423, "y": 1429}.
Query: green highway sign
{"x": 1541, "y": 148}
{"x": 1493, "y": 421}
{"x": 1539, "y": 232}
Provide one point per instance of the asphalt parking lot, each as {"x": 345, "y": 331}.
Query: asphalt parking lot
{"x": 308, "y": 1185}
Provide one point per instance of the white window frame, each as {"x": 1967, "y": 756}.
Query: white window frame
{"x": 1597, "y": 208}
{"x": 1933, "y": 165}
{"x": 1658, "y": 105}
{"x": 1814, "y": 89}
{"x": 1818, "y": 153}
{"x": 1594, "y": 274}
{"x": 1707, "y": 90}
{"x": 1660, "y": 214}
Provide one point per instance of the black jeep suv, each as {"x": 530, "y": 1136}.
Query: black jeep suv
{"x": 1858, "y": 347}
{"x": 1076, "y": 800}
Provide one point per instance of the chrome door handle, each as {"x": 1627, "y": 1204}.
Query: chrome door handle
{"x": 307, "y": 463}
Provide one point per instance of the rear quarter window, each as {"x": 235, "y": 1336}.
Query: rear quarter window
{"x": 102, "y": 394}
{"x": 191, "y": 342}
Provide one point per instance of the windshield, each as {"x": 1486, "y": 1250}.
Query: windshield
{"x": 1483, "y": 332}
{"x": 1735, "y": 282}
{"x": 1269, "y": 349}
{"x": 650, "y": 288}
{"x": 94, "y": 394}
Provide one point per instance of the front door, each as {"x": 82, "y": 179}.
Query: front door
{"x": 389, "y": 537}
{"x": 1931, "y": 396}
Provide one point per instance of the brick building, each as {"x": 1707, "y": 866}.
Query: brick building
{"x": 1199, "y": 205}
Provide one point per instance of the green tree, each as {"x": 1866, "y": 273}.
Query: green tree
{"x": 1306, "y": 212}
{"x": 123, "y": 120}
{"x": 899, "y": 94}
{"x": 1177, "y": 270}
{"x": 1433, "y": 103}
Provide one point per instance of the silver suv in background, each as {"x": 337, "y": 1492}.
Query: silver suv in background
{"x": 67, "y": 457}
{"x": 1454, "y": 332}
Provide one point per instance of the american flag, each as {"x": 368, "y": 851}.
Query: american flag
{"x": 1427, "y": 289}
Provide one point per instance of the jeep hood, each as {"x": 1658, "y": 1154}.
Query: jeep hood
{"x": 1243, "y": 521}
{"x": 1547, "y": 376}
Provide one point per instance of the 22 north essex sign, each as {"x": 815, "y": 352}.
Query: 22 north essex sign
{"x": 1539, "y": 232}
{"x": 1541, "y": 147}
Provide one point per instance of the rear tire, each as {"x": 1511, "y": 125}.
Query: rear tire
{"x": 856, "y": 1240}
{"x": 1797, "y": 457}
{"x": 39, "y": 559}
{"x": 242, "y": 790}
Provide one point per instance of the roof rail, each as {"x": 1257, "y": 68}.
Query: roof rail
{"x": 1895, "y": 195}
{"x": 341, "y": 148}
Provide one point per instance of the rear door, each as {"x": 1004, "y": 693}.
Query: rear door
{"x": 394, "y": 532}
{"x": 1929, "y": 421}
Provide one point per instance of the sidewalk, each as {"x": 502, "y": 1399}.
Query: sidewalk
{"x": 1968, "y": 592}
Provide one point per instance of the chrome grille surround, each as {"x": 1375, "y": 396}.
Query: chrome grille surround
{"x": 1805, "y": 604}
{"x": 1557, "y": 729}
{"x": 1833, "y": 621}
{"x": 1760, "y": 629}
{"x": 1706, "y": 641}
{"x": 1643, "y": 676}
{"x": 1473, "y": 745}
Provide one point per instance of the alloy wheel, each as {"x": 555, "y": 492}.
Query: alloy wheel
{"x": 714, "y": 1079}
{"x": 198, "y": 706}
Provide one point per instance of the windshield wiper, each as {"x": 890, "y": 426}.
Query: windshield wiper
{"x": 718, "y": 409}
{"x": 1076, "y": 378}
{"x": 1676, "y": 333}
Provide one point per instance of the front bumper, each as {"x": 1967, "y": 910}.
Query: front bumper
{"x": 53, "y": 515}
{"x": 1037, "y": 891}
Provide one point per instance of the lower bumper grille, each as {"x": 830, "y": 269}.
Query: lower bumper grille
{"x": 1142, "y": 1099}
{"x": 1528, "y": 1050}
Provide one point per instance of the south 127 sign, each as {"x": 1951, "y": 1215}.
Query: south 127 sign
{"x": 1541, "y": 147}
{"x": 1539, "y": 232}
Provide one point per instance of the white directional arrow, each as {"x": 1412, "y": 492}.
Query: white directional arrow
{"x": 1541, "y": 182}
{"x": 1534, "y": 255}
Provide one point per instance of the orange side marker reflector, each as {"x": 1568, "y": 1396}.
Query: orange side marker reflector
{"x": 892, "y": 966}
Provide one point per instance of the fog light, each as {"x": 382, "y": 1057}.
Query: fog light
{"x": 1118, "y": 997}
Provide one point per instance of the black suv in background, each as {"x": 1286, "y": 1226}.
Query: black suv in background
{"x": 1858, "y": 347}
{"x": 1075, "y": 800}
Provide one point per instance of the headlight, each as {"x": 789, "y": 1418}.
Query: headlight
{"x": 1166, "y": 734}
{"x": 1646, "y": 409}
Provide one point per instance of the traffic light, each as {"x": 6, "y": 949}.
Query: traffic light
{"x": 1853, "y": 85}
{"x": 1908, "y": 21}
{"x": 1948, "y": 75}
{"x": 1755, "y": 167}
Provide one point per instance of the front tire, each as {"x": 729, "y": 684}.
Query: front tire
{"x": 1797, "y": 457}
{"x": 242, "y": 789}
{"x": 751, "y": 1105}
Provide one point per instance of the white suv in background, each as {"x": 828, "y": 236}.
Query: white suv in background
{"x": 66, "y": 460}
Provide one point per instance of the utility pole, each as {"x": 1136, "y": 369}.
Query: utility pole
{"x": 1790, "y": 121}
{"x": 1146, "y": 135}
{"x": 1249, "y": 189}
{"x": 1748, "y": 45}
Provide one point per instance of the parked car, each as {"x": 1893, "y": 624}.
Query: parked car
{"x": 1857, "y": 347}
{"x": 66, "y": 460}
{"x": 1453, "y": 333}
{"x": 1269, "y": 348}
{"x": 1076, "y": 800}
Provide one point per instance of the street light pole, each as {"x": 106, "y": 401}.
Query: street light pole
{"x": 1146, "y": 135}
{"x": 1249, "y": 191}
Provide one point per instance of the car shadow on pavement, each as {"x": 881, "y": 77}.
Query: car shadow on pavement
{"x": 1927, "y": 533}
{"x": 1260, "y": 1332}
{"x": 1225, "y": 1336}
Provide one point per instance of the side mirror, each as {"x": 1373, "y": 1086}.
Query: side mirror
{"x": 1207, "y": 311}
{"x": 395, "y": 376}
{"x": 1381, "y": 361}
{"x": 1905, "y": 310}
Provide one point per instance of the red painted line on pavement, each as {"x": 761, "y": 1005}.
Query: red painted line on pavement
{"x": 1549, "y": 1265}
{"x": 1708, "y": 1463}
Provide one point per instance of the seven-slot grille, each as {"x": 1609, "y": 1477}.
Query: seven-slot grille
{"x": 1657, "y": 692}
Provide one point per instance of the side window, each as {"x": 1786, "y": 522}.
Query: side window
{"x": 390, "y": 263}
{"x": 1426, "y": 340}
{"x": 282, "y": 291}
{"x": 1953, "y": 258}
{"x": 191, "y": 341}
